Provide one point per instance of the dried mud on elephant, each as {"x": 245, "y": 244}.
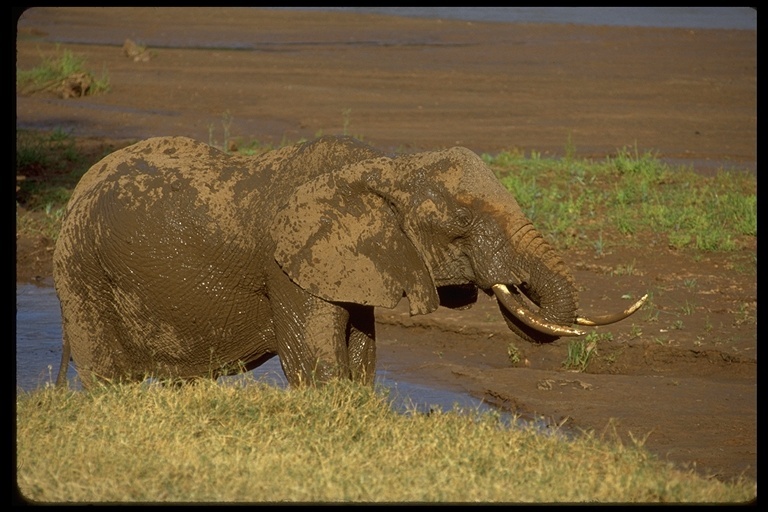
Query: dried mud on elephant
{"x": 681, "y": 374}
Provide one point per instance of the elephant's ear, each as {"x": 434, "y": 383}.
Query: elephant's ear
{"x": 340, "y": 238}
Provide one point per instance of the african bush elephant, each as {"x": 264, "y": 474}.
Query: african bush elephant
{"x": 177, "y": 260}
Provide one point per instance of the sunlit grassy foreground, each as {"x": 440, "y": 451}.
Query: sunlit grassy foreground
{"x": 251, "y": 442}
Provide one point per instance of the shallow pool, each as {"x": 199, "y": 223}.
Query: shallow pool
{"x": 38, "y": 353}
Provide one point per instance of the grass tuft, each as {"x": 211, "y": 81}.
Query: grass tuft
{"x": 53, "y": 70}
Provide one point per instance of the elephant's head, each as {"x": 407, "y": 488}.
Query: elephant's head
{"x": 435, "y": 227}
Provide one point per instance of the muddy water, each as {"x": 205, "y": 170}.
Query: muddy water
{"x": 38, "y": 336}
{"x": 38, "y": 352}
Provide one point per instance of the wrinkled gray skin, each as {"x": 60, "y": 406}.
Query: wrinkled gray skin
{"x": 177, "y": 260}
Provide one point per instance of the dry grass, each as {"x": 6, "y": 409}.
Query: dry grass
{"x": 253, "y": 443}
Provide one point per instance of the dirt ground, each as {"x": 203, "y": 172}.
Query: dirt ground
{"x": 681, "y": 374}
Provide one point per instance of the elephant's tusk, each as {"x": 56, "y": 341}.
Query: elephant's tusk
{"x": 528, "y": 317}
{"x": 609, "y": 319}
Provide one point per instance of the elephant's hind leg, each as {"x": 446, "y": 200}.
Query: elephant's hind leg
{"x": 92, "y": 333}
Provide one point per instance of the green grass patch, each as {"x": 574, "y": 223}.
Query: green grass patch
{"x": 52, "y": 70}
{"x": 582, "y": 350}
{"x": 48, "y": 166}
{"x": 629, "y": 195}
{"x": 247, "y": 442}
{"x": 54, "y": 151}
{"x": 46, "y": 223}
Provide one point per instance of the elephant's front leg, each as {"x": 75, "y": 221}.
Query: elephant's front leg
{"x": 361, "y": 343}
{"x": 311, "y": 336}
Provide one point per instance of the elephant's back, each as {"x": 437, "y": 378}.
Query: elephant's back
{"x": 156, "y": 176}
{"x": 156, "y": 203}
{"x": 152, "y": 156}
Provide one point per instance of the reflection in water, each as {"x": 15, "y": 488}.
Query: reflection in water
{"x": 38, "y": 352}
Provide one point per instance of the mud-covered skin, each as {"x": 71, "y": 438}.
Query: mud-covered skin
{"x": 177, "y": 260}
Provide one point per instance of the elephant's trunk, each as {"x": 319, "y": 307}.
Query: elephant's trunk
{"x": 541, "y": 306}
{"x": 516, "y": 307}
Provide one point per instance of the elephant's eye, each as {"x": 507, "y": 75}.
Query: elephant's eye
{"x": 463, "y": 218}
{"x": 461, "y": 224}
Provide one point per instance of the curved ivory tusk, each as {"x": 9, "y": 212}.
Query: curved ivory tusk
{"x": 528, "y": 317}
{"x": 609, "y": 319}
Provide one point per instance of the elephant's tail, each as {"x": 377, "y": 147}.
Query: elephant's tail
{"x": 61, "y": 378}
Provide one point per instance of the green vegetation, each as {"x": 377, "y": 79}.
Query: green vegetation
{"x": 581, "y": 350}
{"x": 231, "y": 144}
{"x": 52, "y": 151}
{"x": 55, "y": 156}
{"x": 48, "y": 166}
{"x": 513, "y": 354}
{"x": 631, "y": 195}
{"x": 52, "y": 71}
{"x": 243, "y": 442}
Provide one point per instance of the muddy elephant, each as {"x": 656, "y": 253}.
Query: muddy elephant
{"x": 176, "y": 260}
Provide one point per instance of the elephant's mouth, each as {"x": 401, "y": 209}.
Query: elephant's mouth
{"x": 517, "y": 306}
